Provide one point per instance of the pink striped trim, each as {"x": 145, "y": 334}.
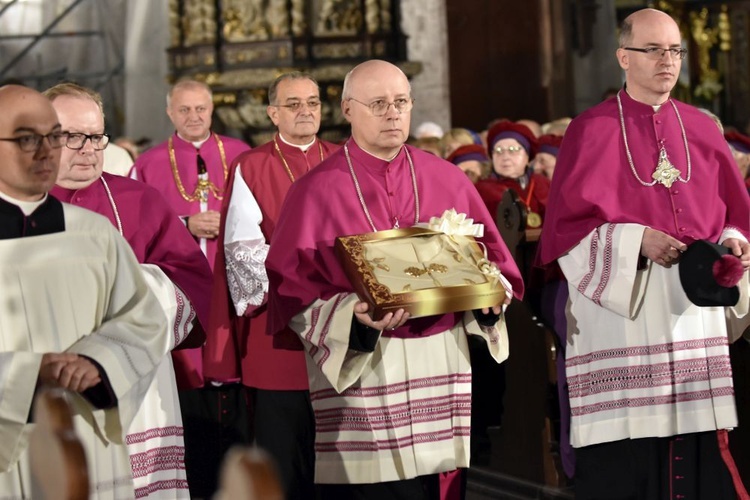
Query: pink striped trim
{"x": 647, "y": 350}
{"x": 157, "y": 459}
{"x": 606, "y": 266}
{"x": 178, "y": 316}
{"x": 393, "y": 444}
{"x": 314, "y": 318}
{"x": 619, "y": 404}
{"x": 445, "y": 414}
{"x": 646, "y": 376}
{"x": 592, "y": 263}
{"x": 171, "y": 484}
{"x": 417, "y": 404}
{"x": 419, "y": 383}
{"x": 419, "y": 410}
{"x": 320, "y": 344}
{"x": 156, "y": 432}
{"x": 324, "y": 332}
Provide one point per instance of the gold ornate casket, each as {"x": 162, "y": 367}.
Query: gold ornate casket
{"x": 425, "y": 272}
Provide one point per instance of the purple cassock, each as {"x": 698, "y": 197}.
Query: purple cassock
{"x": 175, "y": 167}
{"x": 302, "y": 265}
{"x": 232, "y": 338}
{"x": 157, "y": 236}
{"x": 585, "y": 194}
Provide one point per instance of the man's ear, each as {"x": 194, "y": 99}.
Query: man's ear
{"x": 346, "y": 107}
{"x": 623, "y": 58}
{"x": 273, "y": 114}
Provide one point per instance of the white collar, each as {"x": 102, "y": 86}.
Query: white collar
{"x": 303, "y": 147}
{"x": 196, "y": 144}
{"x": 27, "y": 207}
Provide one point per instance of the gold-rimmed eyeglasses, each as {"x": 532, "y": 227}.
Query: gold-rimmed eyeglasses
{"x": 511, "y": 150}
{"x": 657, "y": 53}
{"x": 379, "y": 107}
{"x": 312, "y": 104}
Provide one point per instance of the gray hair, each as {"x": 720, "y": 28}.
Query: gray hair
{"x": 293, "y": 75}
{"x": 189, "y": 84}
{"x": 74, "y": 90}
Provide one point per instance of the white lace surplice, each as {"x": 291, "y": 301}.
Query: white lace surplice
{"x": 245, "y": 248}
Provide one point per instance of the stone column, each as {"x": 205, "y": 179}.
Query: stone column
{"x": 424, "y": 22}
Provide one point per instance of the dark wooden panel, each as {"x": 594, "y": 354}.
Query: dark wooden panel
{"x": 497, "y": 61}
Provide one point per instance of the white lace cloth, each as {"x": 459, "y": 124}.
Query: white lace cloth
{"x": 246, "y": 273}
{"x": 245, "y": 248}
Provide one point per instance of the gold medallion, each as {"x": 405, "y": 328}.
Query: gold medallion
{"x": 533, "y": 220}
{"x": 665, "y": 172}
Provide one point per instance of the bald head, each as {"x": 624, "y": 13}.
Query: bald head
{"x": 368, "y": 70}
{"x": 643, "y": 17}
{"x": 368, "y": 88}
{"x": 27, "y": 171}
{"x": 650, "y": 53}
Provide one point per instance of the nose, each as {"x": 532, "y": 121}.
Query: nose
{"x": 44, "y": 149}
{"x": 392, "y": 111}
{"x": 88, "y": 145}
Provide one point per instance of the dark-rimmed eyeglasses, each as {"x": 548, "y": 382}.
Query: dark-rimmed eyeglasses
{"x": 657, "y": 53}
{"x": 379, "y": 107}
{"x": 77, "y": 140}
{"x": 312, "y": 104}
{"x": 30, "y": 143}
{"x": 511, "y": 150}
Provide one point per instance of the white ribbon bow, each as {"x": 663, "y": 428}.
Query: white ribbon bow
{"x": 455, "y": 224}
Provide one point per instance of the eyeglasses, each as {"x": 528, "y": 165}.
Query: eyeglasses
{"x": 30, "y": 143}
{"x": 77, "y": 140}
{"x": 312, "y": 104}
{"x": 379, "y": 107}
{"x": 657, "y": 53}
{"x": 511, "y": 150}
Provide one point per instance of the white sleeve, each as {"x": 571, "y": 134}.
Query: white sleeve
{"x": 603, "y": 267}
{"x": 176, "y": 305}
{"x": 324, "y": 329}
{"x": 245, "y": 248}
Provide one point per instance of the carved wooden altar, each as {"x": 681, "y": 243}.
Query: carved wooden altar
{"x": 239, "y": 47}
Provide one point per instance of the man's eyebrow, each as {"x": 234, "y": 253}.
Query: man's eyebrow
{"x": 33, "y": 130}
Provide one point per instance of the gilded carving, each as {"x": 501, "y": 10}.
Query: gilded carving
{"x": 244, "y": 21}
{"x": 257, "y": 55}
{"x": 199, "y": 22}
{"x": 299, "y": 23}
{"x": 174, "y": 23}
{"x": 230, "y": 117}
{"x": 378, "y": 15}
{"x": 725, "y": 30}
{"x": 277, "y": 18}
{"x": 254, "y": 114}
{"x": 339, "y": 18}
{"x": 337, "y": 50}
{"x": 705, "y": 39}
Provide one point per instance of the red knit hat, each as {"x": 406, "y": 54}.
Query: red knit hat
{"x": 511, "y": 130}
{"x": 467, "y": 153}
{"x": 549, "y": 144}
{"x": 738, "y": 141}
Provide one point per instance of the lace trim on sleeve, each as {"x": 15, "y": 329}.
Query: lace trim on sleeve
{"x": 246, "y": 273}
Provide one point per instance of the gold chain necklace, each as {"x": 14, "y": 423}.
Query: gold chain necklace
{"x": 362, "y": 198}
{"x": 204, "y": 185}
{"x": 665, "y": 172}
{"x": 283, "y": 160}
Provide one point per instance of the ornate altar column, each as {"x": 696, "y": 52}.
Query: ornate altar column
{"x": 239, "y": 47}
